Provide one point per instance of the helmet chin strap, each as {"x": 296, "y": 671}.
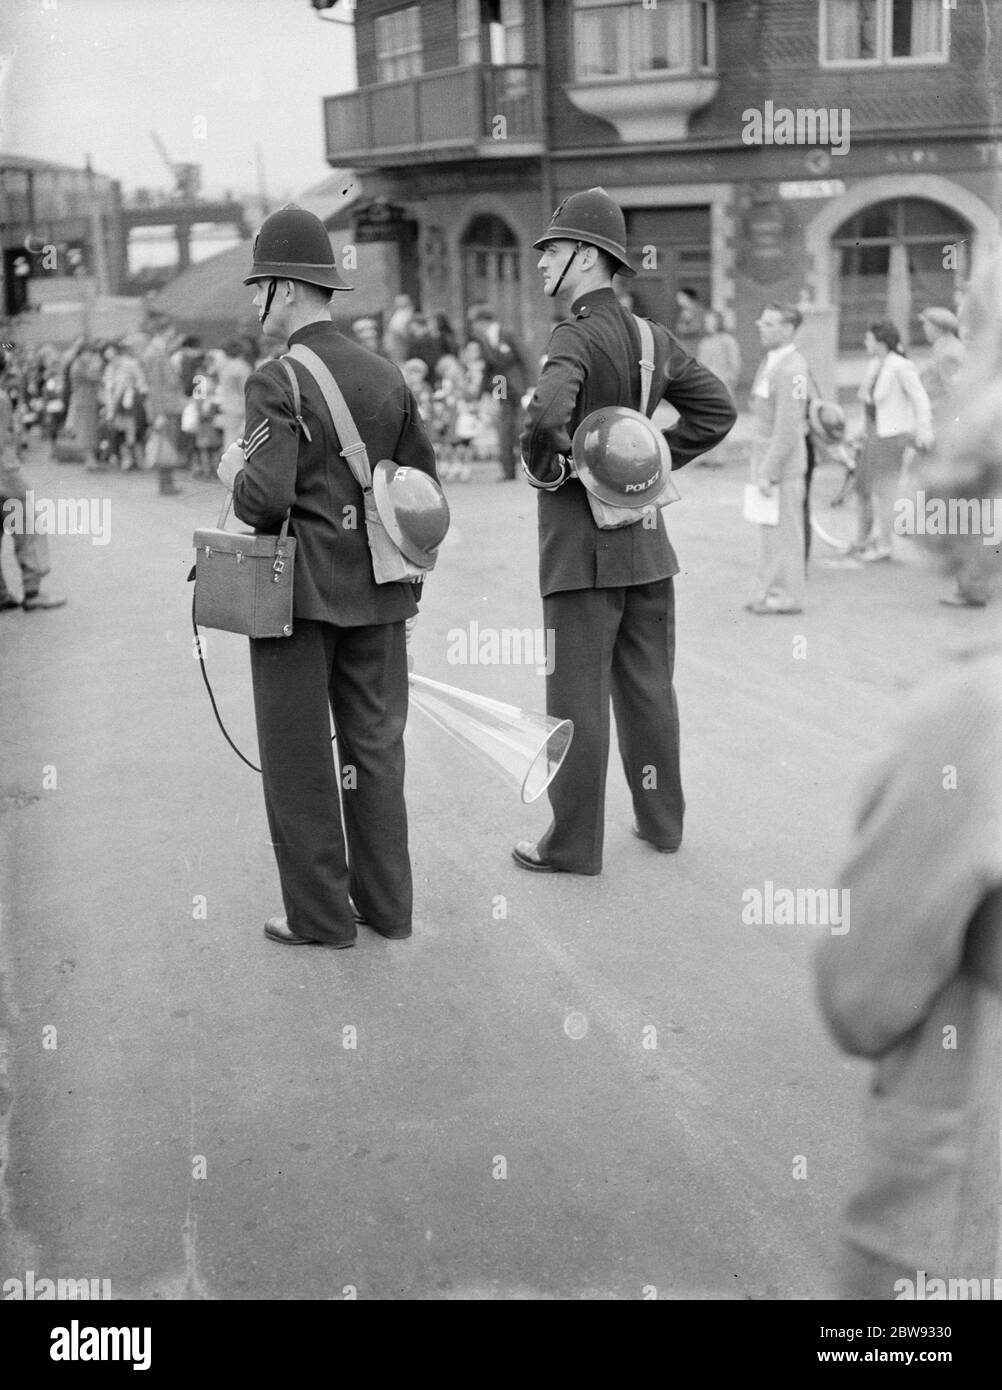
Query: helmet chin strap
{"x": 272, "y": 287}
{"x": 567, "y": 266}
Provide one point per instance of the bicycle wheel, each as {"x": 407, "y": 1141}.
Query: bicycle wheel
{"x": 833, "y": 509}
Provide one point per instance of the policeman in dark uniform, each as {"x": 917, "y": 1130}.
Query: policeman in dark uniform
{"x": 347, "y": 655}
{"x": 607, "y": 594}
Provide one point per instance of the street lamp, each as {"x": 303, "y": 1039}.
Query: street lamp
{"x": 322, "y": 5}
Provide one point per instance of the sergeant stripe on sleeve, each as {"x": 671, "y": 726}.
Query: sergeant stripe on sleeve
{"x": 254, "y": 441}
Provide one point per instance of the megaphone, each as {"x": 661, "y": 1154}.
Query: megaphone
{"x": 527, "y": 747}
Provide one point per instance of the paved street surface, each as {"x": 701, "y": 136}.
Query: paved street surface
{"x": 503, "y": 1127}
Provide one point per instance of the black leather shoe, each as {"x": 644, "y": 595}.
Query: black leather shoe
{"x": 277, "y": 929}
{"x": 962, "y": 601}
{"x": 526, "y": 855}
{"x": 390, "y": 933}
{"x": 33, "y": 601}
{"x": 764, "y": 609}
{"x": 661, "y": 849}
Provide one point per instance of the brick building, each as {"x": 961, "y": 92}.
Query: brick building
{"x": 75, "y": 214}
{"x": 877, "y": 122}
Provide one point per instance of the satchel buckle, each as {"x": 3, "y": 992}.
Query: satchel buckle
{"x": 277, "y": 569}
{"x": 240, "y": 557}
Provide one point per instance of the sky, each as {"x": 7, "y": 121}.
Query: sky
{"x": 215, "y": 78}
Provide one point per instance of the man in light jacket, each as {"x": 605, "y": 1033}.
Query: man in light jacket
{"x": 779, "y": 460}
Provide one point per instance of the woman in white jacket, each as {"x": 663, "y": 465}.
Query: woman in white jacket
{"x": 898, "y": 414}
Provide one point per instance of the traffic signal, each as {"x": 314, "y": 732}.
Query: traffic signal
{"x": 16, "y": 273}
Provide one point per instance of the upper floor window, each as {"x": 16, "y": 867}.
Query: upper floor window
{"x": 872, "y": 32}
{"x": 624, "y": 39}
{"x": 491, "y": 31}
{"x": 398, "y": 45}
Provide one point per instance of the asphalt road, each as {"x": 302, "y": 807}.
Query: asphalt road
{"x": 506, "y": 1124}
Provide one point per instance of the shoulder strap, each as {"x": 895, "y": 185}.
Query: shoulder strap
{"x": 297, "y": 403}
{"x": 353, "y": 450}
{"x": 647, "y": 363}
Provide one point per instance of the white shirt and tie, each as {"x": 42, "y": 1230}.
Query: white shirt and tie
{"x": 760, "y": 386}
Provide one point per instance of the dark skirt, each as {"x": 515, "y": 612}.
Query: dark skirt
{"x": 884, "y": 457}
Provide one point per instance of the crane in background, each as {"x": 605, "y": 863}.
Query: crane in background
{"x": 187, "y": 177}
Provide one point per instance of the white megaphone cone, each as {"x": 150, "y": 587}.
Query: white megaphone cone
{"x": 527, "y": 747}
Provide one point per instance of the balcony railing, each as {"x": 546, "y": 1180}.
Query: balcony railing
{"x": 469, "y": 111}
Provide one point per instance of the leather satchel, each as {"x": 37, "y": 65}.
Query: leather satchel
{"x": 389, "y": 564}
{"x": 609, "y": 518}
{"x": 243, "y": 582}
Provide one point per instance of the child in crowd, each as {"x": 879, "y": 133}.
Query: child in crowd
{"x": 452, "y": 451}
{"x": 415, "y": 371}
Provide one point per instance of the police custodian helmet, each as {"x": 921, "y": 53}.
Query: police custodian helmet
{"x": 593, "y": 218}
{"x": 293, "y": 245}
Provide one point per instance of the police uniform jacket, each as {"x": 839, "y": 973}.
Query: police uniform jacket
{"x": 593, "y": 360}
{"x": 333, "y": 580}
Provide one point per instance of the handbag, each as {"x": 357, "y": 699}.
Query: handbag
{"x": 389, "y": 564}
{"x": 609, "y": 518}
{"x": 159, "y": 451}
{"x": 243, "y": 582}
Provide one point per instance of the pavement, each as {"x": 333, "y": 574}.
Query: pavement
{"x": 560, "y": 1087}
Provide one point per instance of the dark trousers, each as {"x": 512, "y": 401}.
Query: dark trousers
{"x": 508, "y": 437}
{"x": 618, "y": 643}
{"x": 165, "y": 472}
{"x": 811, "y": 460}
{"x": 326, "y": 850}
{"x": 31, "y": 550}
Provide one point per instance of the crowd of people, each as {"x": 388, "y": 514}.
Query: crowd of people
{"x": 148, "y": 400}
{"x": 160, "y": 400}
{"x": 906, "y": 415}
{"x": 469, "y": 390}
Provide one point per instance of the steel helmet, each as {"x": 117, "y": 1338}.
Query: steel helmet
{"x": 621, "y": 457}
{"x": 413, "y": 509}
{"x": 594, "y": 218}
{"x": 293, "y": 245}
{"x": 827, "y": 419}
